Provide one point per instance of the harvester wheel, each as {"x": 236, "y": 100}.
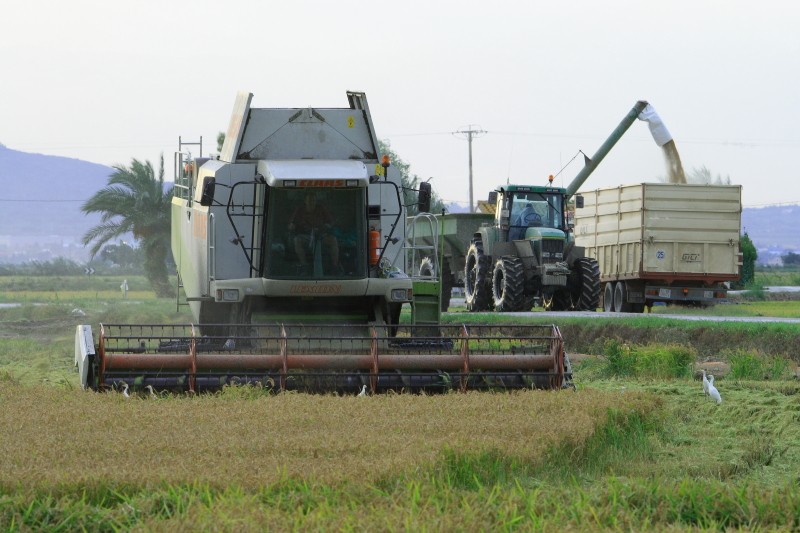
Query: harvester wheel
{"x": 477, "y": 290}
{"x": 508, "y": 280}
{"x": 588, "y": 273}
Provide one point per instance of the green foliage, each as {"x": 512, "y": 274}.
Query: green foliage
{"x": 135, "y": 201}
{"x": 791, "y": 259}
{"x": 651, "y": 360}
{"x": 410, "y": 182}
{"x": 747, "y": 364}
{"x": 704, "y": 176}
{"x": 55, "y": 267}
{"x": 749, "y": 256}
{"x": 123, "y": 255}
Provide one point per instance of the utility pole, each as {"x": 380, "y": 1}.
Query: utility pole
{"x": 470, "y": 134}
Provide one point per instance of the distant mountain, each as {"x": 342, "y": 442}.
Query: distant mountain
{"x": 40, "y": 204}
{"x": 773, "y": 230}
{"x": 41, "y": 218}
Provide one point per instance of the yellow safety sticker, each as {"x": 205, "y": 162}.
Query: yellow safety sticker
{"x": 351, "y": 122}
{"x": 378, "y": 170}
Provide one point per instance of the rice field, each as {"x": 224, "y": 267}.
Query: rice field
{"x": 637, "y": 447}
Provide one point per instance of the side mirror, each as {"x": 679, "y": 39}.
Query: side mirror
{"x": 424, "y": 197}
{"x": 493, "y": 198}
{"x": 579, "y": 202}
{"x": 209, "y": 184}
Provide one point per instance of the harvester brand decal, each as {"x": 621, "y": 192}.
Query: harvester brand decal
{"x": 660, "y": 255}
{"x": 378, "y": 170}
{"x": 311, "y": 289}
{"x": 199, "y": 225}
{"x": 321, "y": 183}
{"x": 691, "y": 258}
{"x": 351, "y": 122}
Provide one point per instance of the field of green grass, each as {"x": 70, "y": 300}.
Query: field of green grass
{"x": 637, "y": 447}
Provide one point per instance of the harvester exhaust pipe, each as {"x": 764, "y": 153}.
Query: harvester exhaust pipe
{"x": 606, "y": 147}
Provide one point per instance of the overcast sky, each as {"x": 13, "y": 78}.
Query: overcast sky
{"x": 107, "y": 81}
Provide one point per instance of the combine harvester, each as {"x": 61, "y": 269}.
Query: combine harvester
{"x": 286, "y": 247}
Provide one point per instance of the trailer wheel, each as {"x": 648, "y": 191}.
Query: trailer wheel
{"x": 508, "y": 278}
{"x": 621, "y": 305}
{"x": 608, "y": 297}
{"x": 588, "y": 272}
{"x": 477, "y": 290}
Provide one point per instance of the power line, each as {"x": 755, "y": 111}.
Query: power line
{"x": 24, "y": 200}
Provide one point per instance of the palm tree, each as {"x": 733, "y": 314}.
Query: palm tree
{"x": 135, "y": 202}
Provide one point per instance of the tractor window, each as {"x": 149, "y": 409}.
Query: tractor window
{"x": 529, "y": 210}
{"x": 315, "y": 233}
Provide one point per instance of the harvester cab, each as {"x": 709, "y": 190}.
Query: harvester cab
{"x": 286, "y": 248}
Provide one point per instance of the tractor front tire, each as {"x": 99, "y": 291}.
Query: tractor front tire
{"x": 508, "y": 279}
{"x": 587, "y": 272}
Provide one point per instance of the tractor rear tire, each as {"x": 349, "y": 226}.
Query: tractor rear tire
{"x": 588, "y": 272}
{"x": 508, "y": 284}
{"x": 477, "y": 290}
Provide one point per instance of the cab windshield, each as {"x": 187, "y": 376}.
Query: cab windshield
{"x": 535, "y": 210}
{"x": 315, "y": 233}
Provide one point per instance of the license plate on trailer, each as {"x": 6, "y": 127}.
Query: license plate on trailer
{"x": 665, "y": 293}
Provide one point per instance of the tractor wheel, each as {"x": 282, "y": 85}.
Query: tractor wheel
{"x": 445, "y": 278}
{"x": 563, "y": 301}
{"x": 477, "y": 290}
{"x": 508, "y": 290}
{"x": 447, "y": 284}
{"x": 587, "y": 292}
{"x": 426, "y": 268}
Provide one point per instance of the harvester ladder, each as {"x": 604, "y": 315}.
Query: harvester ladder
{"x": 426, "y": 300}
{"x": 416, "y": 249}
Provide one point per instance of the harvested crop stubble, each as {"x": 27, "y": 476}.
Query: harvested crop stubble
{"x": 56, "y": 437}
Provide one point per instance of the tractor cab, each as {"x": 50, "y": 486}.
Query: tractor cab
{"x": 532, "y": 212}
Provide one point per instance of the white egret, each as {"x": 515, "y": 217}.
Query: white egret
{"x": 712, "y": 390}
{"x": 705, "y": 382}
{"x": 125, "y": 390}
{"x": 153, "y": 394}
{"x": 363, "y": 390}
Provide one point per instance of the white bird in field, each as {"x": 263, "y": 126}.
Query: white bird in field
{"x": 705, "y": 383}
{"x": 125, "y": 390}
{"x": 712, "y": 390}
{"x": 153, "y": 394}
{"x": 363, "y": 390}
